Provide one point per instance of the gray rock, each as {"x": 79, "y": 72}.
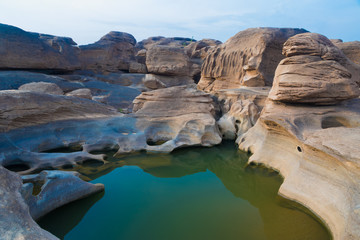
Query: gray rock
{"x": 81, "y": 93}
{"x": 42, "y": 87}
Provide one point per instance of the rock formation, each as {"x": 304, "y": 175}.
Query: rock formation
{"x": 247, "y": 59}
{"x": 42, "y": 87}
{"x": 350, "y": 49}
{"x": 313, "y": 72}
{"x": 112, "y": 53}
{"x": 26, "y": 50}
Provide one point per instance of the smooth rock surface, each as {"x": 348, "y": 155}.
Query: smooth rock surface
{"x": 15, "y": 219}
{"x": 315, "y": 148}
{"x": 247, "y": 59}
{"x": 42, "y": 87}
{"x": 56, "y": 188}
{"x": 81, "y": 93}
{"x": 313, "y": 72}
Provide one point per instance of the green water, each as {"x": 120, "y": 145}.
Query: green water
{"x": 194, "y": 193}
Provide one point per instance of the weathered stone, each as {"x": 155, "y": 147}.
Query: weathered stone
{"x": 163, "y": 41}
{"x": 312, "y": 73}
{"x": 135, "y": 67}
{"x": 112, "y": 53}
{"x": 42, "y": 87}
{"x": 169, "y": 81}
{"x": 153, "y": 83}
{"x": 315, "y": 148}
{"x": 199, "y": 49}
{"x": 81, "y": 93}
{"x": 165, "y": 60}
{"x": 15, "y": 219}
{"x": 350, "y": 49}
{"x": 247, "y": 59}
{"x": 43, "y": 108}
{"x": 57, "y": 188}
{"x": 26, "y": 50}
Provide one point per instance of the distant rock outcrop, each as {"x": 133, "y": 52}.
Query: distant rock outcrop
{"x": 350, "y": 49}
{"x": 112, "y": 53}
{"x": 247, "y": 59}
{"x": 25, "y": 50}
{"x": 314, "y": 72}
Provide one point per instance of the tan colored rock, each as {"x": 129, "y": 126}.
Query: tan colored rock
{"x": 153, "y": 83}
{"x": 315, "y": 149}
{"x": 351, "y": 50}
{"x": 112, "y": 53}
{"x": 25, "y": 50}
{"x": 165, "y": 60}
{"x": 81, "y": 93}
{"x": 312, "y": 72}
{"x": 163, "y": 41}
{"x": 176, "y": 117}
{"x": 199, "y": 49}
{"x": 42, "y": 87}
{"x": 22, "y": 108}
{"x": 136, "y": 67}
{"x": 247, "y": 59}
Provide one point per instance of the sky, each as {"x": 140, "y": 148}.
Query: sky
{"x": 86, "y": 21}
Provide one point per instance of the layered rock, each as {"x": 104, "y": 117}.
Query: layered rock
{"x": 25, "y": 50}
{"x": 42, "y": 87}
{"x": 350, "y": 49}
{"x": 23, "y": 108}
{"x": 112, "y": 53}
{"x": 247, "y": 59}
{"x": 15, "y": 219}
{"x": 314, "y": 72}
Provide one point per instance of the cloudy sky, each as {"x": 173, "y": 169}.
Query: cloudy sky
{"x": 86, "y": 21}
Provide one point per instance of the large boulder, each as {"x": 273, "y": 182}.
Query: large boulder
{"x": 112, "y": 53}
{"x": 350, "y": 49}
{"x": 25, "y": 50}
{"x": 247, "y": 59}
{"x": 43, "y": 108}
{"x": 176, "y": 117}
{"x": 15, "y": 219}
{"x": 42, "y": 87}
{"x": 163, "y": 41}
{"x": 314, "y": 72}
{"x": 199, "y": 49}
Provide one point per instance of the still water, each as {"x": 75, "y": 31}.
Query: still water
{"x": 193, "y": 193}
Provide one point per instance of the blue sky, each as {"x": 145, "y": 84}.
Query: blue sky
{"x": 86, "y": 21}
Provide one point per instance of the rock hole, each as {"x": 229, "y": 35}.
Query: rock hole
{"x": 332, "y": 122}
{"x": 92, "y": 163}
{"x": 70, "y": 149}
{"x": 68, "y": 166}
{"x": 238, "y": 121}
{"x": 151, "y": 142}
{"x": 196, "y": 78}
{"x": 299, "y": 149}
{"x": 17, "y": 167}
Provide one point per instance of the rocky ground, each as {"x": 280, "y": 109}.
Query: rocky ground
{"x": 288, "y": 96}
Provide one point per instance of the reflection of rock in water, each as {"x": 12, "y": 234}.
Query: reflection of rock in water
{"x": 257, "y": 185}
{"x": 71, "y": 214}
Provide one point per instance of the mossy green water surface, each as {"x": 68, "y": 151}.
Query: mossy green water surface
{"x": 194, "y": 193}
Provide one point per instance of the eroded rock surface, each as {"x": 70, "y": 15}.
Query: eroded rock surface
{"x": 247, "y": 59}
{"x": 42, "y": 87}
{"x": 15, "y": 219}
{"x": 314, "y": 72}
{"x": 350, "y": 49}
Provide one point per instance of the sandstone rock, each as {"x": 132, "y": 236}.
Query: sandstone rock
{"x": 42, "y": 87}
{"x": 112, "y": 53}
{"x": 168, "y": 81}
{"x": 176, "y": 117}
{"x": 135, "y": 67}
{"x": 44, "y": 108}
{"x": 56, "y": 188}
{"x": 25, "y": 50}
{"x": 153, "y": 83}
{"x": 15, "y": 219}
{"x": 315, "y": 44}
{"x": 315, "y": 148}
{"x": 200, "y": 48}
{"x": 81, "y": 93}
{"x": 165, "y": 60}
{"x": 163, "y": 41}
{"x": 351, "y": 50}
{"x": 247, "y": 59}
{"x": 312, "y": 72}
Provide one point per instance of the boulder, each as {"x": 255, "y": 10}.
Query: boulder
{"x": 15, "y": 219}
{"x": 48, "y": 190}
{"x": 247, "y": 59}
{"x": 112, "y": 53}
{"x": 25, "y": 50}
{"x": 170, "y": 61}
{"x": 163, "y": 41}
{"x": 313, "y": 72}
{"x": 136, "y": 67}
{"x": 200, "y": 48}
{"x": 350, "y": 49}
{"x": 42, "y": 87}
{"x": 43, "y": 108}
{"x": 81, "y": 93}
{"x": 176, "y": 117}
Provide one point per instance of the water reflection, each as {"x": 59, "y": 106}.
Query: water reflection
{"x": 268, "y": 216}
